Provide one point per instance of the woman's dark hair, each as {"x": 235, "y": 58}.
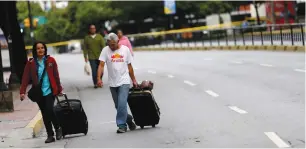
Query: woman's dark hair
{"x": 34, "y": 51}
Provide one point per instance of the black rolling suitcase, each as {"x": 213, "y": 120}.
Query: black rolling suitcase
{"x": 144, "y": 108}
{"x": 71, "y": 116}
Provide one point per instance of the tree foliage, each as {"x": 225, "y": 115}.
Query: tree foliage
{"x": 72, "y": 22}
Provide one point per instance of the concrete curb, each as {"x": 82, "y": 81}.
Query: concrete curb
{"x": 36, "y": 124}
{"x": 251, "y": 47}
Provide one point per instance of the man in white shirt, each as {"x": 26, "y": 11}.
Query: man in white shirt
{"x": 118, "y": 59}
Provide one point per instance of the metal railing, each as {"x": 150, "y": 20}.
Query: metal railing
{"x": 286, "y": 34}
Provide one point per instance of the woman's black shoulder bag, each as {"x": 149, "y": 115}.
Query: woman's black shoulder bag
{"x": 35, "y": 93}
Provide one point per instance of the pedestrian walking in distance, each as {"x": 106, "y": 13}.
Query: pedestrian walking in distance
{"x": 93, "y": 44}
{"x": 123, "y": 40}
{"x": 42, "y": 69}
{"x": 118, "y": 59}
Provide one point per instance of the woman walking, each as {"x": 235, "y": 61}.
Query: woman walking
{"x": 50, "y": 86}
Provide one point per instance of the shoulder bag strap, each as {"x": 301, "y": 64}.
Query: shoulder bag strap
{"x": 42, "y": 75}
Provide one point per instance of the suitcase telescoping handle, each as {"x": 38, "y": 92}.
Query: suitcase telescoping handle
{"x": 66, "y": 98}
{"x": 138, "y": 88}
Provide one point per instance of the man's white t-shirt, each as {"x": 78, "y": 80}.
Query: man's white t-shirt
{"x": 117, "y": 65}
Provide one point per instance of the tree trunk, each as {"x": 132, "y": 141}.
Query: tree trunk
{"x": 257, "y": 14}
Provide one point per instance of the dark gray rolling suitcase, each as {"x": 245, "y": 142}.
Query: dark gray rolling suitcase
{"x": 144, "y": 108}
{"x": 71, "y": 116}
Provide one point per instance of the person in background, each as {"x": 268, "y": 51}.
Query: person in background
{"x": 118, "y": 59}
{"x": 93, "y": 44}
{"x": 51, "y": 86}
{"x": 123, "y": 40}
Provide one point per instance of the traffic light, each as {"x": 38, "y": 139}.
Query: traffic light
{"x": 27, "y": 22}
{"x": 35, "y": 22}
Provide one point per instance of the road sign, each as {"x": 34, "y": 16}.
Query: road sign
{"x": 169, "y": 7}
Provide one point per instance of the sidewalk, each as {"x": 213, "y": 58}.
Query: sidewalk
{"x": 13, "y": 124}
{"x": 17, "y": 128}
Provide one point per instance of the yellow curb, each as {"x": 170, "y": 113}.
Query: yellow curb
{"x": 301, "y": 48}
{"x": 36, "y": 124}
{"x": 270, "y": 48}
{"x": 291, "y": 48}
{"x": 280, "y": 48}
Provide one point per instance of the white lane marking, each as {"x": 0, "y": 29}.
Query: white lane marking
{"x": 170, "y": 76}
{"x": 236, "y": 62}
{"x": 150, "y": 71}
{"x": 135, "y": 68}
{"x": 299, "y": 70}
{"x": 107, "y": 122}
{"x": 276, "y": 139}
{"x": 234, "y": 108}
{"x": 189, "y": 83}
{"x": 266, "y": 65}
{"x": 212, "y": 93}
{"x": 207, "y": 59}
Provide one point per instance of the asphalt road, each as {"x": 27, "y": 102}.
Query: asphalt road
{"x": 207, "y": 99}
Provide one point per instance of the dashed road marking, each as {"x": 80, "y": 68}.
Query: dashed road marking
{"x": 135, "y": 68}
{"x": 212, "y": 93}
{"x": 276, "y": 139}
{"x": 170, "y": 76}
{"x": 266, "y": 65}
{"x": 207, "y": 59}
{"x": 150, "y": 71}
{"x": 299, "y": 70}
{"x": 236, "y": 62}
{"x": 234, "y": 108}
{"x": 107, "y": 122}
{"x": 189, "y": 83}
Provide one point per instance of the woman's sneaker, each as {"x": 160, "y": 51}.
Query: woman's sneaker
{"x": 50, "y": 139}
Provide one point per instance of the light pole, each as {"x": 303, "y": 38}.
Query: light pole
{"x": 31, "y": 23}
{"x": 13, "y": 80}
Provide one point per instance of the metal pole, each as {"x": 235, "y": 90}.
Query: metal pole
{"x": 226, "y": 38}
{"x": 291, "y": 32}
{"x": 261, "y": 37}
{"x": 271, "y": 35}
{"x": 252, "y": 36}
{"x": 218, "y": 38}
{"x": 3, "y": 86}
{"x": 234, "y": 36}
{"x": 302, "y": 30}
{"x": 31, "y": 23}
{"x": 281, "y": 34}
{"x": 242, "y": 36}
{"x": 210, "y": 38}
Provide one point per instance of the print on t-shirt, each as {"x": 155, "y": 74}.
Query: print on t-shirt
{"x": 117, "y": 58}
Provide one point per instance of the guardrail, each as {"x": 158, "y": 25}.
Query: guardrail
{"x": 228, "y": 34}
{"x": 266, "y": 35}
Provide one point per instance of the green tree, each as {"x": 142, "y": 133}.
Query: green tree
{"x": 22, "y": 13}
{"x": 22, "y": 10}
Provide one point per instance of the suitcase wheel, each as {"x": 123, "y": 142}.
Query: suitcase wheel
{"x": 141, "y": 127}
{"x": 153, "y": 126}
{"x": 86, "y": 132}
